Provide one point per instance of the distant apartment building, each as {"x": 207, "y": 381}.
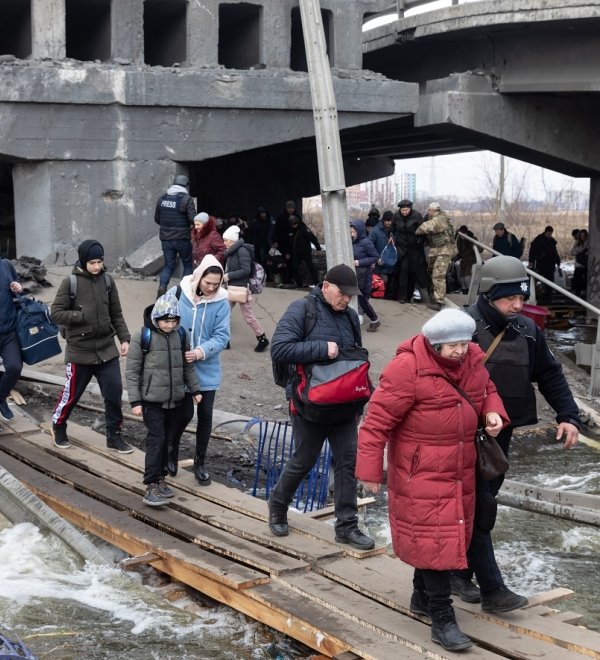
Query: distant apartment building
{"x": 406, "y": 185}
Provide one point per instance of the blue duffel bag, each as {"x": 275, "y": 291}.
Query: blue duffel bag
{"x": 37, "y": 334}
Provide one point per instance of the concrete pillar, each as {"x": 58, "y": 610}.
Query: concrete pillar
{"x": 203, "y": 33}
{"x": 276, "y": 35}
{"x": 347, "y": 34}
{"x": 48, "y": 29}
{"x": 593, "y": 286}
{"x": 58, "y": 204}
{"x": 127, "y": 30}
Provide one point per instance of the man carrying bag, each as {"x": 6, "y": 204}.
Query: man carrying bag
{"x": 335, "y": 329}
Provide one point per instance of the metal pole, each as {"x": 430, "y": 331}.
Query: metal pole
{"x": 329, "y": 152}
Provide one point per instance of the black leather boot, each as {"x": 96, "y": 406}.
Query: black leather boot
{"x": 173, "y": 458}
{"x": 445, "y": 631}
{"x": 202, "y": 476}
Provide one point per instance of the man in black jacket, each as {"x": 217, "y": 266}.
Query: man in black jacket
{"x": 175, "y": 213}
{"x": 521, "y": 357}
{"x": 336, "y": 326}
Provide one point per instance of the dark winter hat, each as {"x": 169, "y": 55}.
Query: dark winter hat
{"x": 549, "y": 228}
{"x": 508, "y": 289}
{"x": 90, "y": 250}
{"x": 405, "y": 204}
{"x": 344, "y": 278}
{"x": 448, "y": 326}
{"x": 374, "y": 211}
{"x": 387, "y": 215}
{"x": 499, "y": 225}
{"x": 166, "y": 307}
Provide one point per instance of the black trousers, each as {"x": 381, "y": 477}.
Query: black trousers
{"x": 10, "y": 352}
{"x": 297, "y": 260}
{"x": 157, "y": 420}
{"x": 108, "y": 375}
{"x": 204, "y": 416}
{"x": 308, "y": 442}
{"x": 480, "y": 555}
{"x": 436, "y": 584}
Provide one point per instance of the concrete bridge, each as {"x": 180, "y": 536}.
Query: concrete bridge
{"x": 102, "y": 103}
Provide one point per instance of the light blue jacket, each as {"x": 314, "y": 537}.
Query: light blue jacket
{"x": 206, "y": 320}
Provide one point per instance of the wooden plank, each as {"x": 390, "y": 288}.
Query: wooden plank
{"x": 132, "y": 562}
{"x": 389, "y": 581}
{"x": 216, "y": 493}
{"x": 129, "y": 534}
{"x": 166, "y": 519}
{"x": 572, "y": 618}
{"x": 329, "y": 511}
{"x": 547, "y": 597}
{"x": 365, "y": 611}
{"x": 212, "y": 511}
{"x": 566, "y": 498}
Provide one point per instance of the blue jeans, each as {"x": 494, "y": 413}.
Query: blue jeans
{"x": 308, "y": 442}
{"x": 181, "y": 247}
{"x": 10, "y": 352}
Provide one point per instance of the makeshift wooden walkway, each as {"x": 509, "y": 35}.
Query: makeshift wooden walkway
{"x": 342, "y": 603}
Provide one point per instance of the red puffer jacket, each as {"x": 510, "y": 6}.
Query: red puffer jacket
{"x": 429, "y": 429}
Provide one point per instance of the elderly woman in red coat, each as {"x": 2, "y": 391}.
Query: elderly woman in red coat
{"x": 206, "y": 239}
{"x": 429, "y": 429}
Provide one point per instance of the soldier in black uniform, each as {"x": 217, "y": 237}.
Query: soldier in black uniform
{"x": 521, "y": 357}
{"x": 175, "y": 214}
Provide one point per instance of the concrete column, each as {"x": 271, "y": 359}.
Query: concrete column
{"x": 276, "y": 34}
{"x": 203, "y": 33}
{"x": 127, "y": 30}
{"x": 347, "y": 34}
{"x": 58, "y": 204}
{"x": 48, "y": 29}
{"x": 593, "y": 285}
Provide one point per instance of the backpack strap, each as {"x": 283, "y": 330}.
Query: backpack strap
{"x": 310, "y": 317}
{"x": 146, "y": 339}
{"x": 73, "y": 287}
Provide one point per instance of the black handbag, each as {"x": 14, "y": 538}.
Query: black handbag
{"x": 491, "y": 460}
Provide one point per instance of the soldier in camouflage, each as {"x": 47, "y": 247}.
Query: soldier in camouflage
{"x": 440, "y": 238}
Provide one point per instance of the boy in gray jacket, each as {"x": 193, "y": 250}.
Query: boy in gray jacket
{"x": 157, "y": 375}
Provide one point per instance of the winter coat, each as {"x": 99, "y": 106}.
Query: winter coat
{"x": 161, "y": 375}
{"x": 543, "y": 252}
{"x": 93, "y": 320}
{"x": 281, "y": 231}
{"x": 466, "y": 253}
{"x": 238, "y": 262}
{"x": 8, "y": 313}
{"x": 381, "y": 238}
{"x": 429, "y": 431}
{"x": 291, "y": 346}
{"x": 367, "y": 256}
{"x": 407, "y": 239}
{"x": 302, "y": 240}
{"x": 521, "y": 358}
{"x": 207, "y": 240}
{"x": 206, "y": 321}
{"x": 508, "y": 244}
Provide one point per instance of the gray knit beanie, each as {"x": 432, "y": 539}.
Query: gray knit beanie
{"x": 448, "y": 326}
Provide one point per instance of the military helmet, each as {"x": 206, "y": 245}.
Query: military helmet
{"x": 181, "y": 180}
{"x": 501, "y": 270}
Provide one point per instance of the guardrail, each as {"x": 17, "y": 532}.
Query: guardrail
{"x": 594, "y": 390}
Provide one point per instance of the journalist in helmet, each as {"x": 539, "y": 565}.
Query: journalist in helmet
{"x": 517, "y": 357}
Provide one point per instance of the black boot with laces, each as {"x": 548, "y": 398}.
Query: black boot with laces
{"x": 445, "y": 631}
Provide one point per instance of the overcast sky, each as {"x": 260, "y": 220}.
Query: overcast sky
{"x": 464, "y": 175}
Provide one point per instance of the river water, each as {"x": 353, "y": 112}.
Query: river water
{"x": 64, "y": 608}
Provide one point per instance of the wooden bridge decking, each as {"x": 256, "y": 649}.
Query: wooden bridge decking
{"x": 340, "y": 602}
